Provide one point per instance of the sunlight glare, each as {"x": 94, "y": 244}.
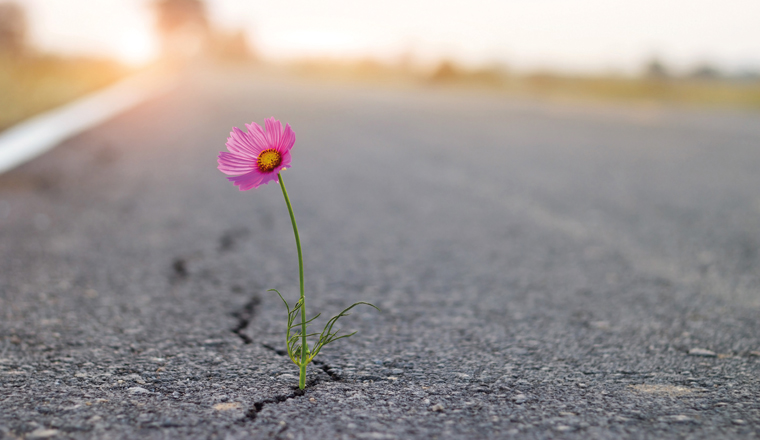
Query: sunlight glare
{"x": 317, "y": 42}
{"x": 137, "y": 48}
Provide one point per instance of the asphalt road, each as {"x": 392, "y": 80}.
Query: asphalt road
{"x": 544, "y": 270}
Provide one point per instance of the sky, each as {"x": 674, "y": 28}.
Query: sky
{"x": 568, "y": 35}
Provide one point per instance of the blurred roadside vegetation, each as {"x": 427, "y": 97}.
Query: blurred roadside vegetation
{"x": 31, "y": 82}
{"x": 704, "y": 86}
{"x": 34, "y": 83}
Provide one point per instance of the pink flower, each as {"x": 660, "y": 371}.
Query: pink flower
{"x": 256, "y": 157}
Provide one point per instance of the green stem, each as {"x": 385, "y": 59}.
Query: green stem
{"x": 304, "y": 347}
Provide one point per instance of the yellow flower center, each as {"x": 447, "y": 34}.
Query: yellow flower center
{"x": 268, "y": 160}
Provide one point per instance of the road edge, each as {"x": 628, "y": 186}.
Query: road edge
{"x": 31, "y": 138}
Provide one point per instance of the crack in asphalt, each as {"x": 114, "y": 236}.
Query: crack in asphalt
{"x": 258, "y": 406}
{"x": 276, "y": 350}
{"x": 327, "y": 369}
{"x": 179, "y": 270}
{"x": 335, "y": 377}
{"x": 229, "y": 240}
{"x": 244, "y": 315}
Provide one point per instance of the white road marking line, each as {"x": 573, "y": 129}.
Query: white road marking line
{"x": 29, "y": 139}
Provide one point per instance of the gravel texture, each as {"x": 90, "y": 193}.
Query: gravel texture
{"x": 543, "y": 270}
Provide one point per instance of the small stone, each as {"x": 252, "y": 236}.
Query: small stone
{"x": 678, "y": 418}
{"x": 519, "y": 398}
{"x": 563, "y": 428}
{"x": 213, "y": 342}
{"x": 754, "y": 353}
{"x": 42, "y": 433}
{"x": 91, "y": 293}
{"x": 601, "y": 325}
{"x": 376, "y": 436}
{"x": 738, "y": 422}
{"x": 437, "y": 408}
{"x": 287, "y": 377}
{"x": 227, "y": 406}
{"x": 463, "y": 375}
{"x": 137, "y": 390}
{"x": 702, "y": 352}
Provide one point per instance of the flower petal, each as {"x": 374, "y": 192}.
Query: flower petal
{"x": 239, "y": 142}
{"x": 258, "y": 136}
{"x": 285, "y": 161}
{"x": 232, "y": 164}
{"x": 241, "y": 161}
{"x": 269, "y": 177}
{"x": 274, "y": 132}
{"x": 247, "y": 181}
{"x": 288, "y": 138}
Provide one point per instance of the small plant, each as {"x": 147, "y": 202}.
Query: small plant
{"x": 256, "y": 158}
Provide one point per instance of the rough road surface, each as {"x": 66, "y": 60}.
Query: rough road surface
{"x": 543, "y": 270}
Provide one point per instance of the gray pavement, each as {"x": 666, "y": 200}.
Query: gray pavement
{"x": 544, "y": 270}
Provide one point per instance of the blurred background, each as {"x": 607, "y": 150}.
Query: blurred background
{"x": 683, "y": 52}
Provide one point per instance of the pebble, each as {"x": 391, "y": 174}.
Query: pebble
{"x": 227, "y": 406}
{"x": 437, "y": 408}
{"x": 138, "y": 390}
{"x": 701, "y": 352}
{"x": 42, "y": 433}
{"x": 287, "y": 377}
{"x": 519, "y": 398}
{"x": 739, "y": 422}
{"x": 678, "y": 418}
{"x": 376, "y": 435}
